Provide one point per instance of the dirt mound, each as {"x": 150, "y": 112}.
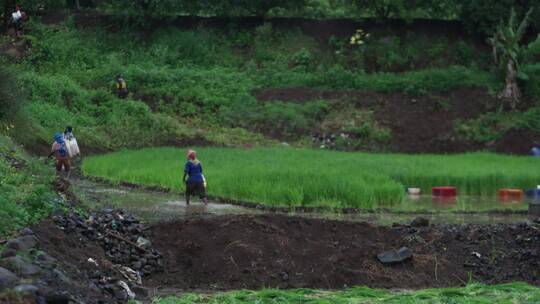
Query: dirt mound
{"x": 15, "y": 49}
{"x": 517, "y": 142}
{"x": 99, "y": 258}
{"x": 423, "y": 124}
{"x": 73, "y": 255}
{"x": 231, "y": 252}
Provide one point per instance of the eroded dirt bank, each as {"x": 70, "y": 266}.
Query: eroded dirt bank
{"x": 255, "y": 251}
{"x": 419, "y": 124}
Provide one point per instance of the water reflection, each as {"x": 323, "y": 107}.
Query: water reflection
{"x": 460, "y": 203}
{"x": 158, "y": 206}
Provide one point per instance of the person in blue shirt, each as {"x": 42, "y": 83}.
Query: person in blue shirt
{"x": 195, "y": 182}
{"x": 535, "y": 151}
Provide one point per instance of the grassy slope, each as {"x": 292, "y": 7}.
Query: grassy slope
{"x": 471, "y": 294}
{"x": 25, "y": 192}
{"x": 200, "y": 82}
{"x": 294, "y": 177}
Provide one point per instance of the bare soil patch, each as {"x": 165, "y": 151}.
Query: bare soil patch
{"x": 231, "y": 252}
{"x": 419, "y": 124}
{"x": 517, "y": 142}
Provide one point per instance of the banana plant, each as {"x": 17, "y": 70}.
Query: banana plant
{"x": 507, "y": 53}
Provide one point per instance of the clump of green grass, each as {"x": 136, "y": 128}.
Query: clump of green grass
{"x": 25, "y": 194}
{"x": 471, "y": 294}
{"x": 297, "y": 177}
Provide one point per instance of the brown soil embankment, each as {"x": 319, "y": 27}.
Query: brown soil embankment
{"x": 232, "y": 252}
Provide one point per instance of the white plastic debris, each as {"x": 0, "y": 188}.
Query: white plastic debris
{"x": 144, "y": 243}
{"x": 130, "y": 294}
{"x": 92, "y": 261}
{"x": 130, "y": 274}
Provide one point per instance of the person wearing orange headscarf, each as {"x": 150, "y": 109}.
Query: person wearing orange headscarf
{"x": 194, "y": 178}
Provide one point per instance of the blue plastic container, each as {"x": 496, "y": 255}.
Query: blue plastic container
{"x": 534, "y": 193}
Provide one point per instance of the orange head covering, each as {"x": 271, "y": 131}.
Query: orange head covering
{"x": 191, "y": 155}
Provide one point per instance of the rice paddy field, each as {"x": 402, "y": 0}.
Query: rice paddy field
{"x": 471, "y": 294}
{"x": 315, "y": 178}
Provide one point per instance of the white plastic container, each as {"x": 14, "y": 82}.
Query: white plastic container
{"x": 413, "y": 191}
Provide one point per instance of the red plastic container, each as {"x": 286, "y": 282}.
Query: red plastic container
{"x": 444, "y": 191}
{"x": 512, "y": 194}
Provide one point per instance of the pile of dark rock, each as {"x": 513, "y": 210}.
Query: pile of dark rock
{"x": 27, "y": 274}
{"x": 120, "y": 235}
{"x": 96, "y": 258}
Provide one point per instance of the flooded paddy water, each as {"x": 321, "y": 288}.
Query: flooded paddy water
{"x": 154, "y": 206}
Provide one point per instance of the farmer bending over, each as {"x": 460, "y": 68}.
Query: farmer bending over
{"x": 61, "y": 153}
{"x": 195, "y": 184}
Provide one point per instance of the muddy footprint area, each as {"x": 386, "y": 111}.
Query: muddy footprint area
{"x": 255, "y": 251}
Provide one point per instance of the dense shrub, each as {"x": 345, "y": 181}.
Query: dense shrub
{"x": 10, "y": 100}
{"x": 277, "y": 119}
{"x": 532, "y": 85}
{"x": 482, "y": 16}
{"x": 531, "y": 120}
{"x": 24, "y": 199}
{"x": 161, "y": 8}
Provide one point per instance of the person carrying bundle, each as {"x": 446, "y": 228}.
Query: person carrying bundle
{"x": 17, "y": 19}
{"x": 195, "y": 183}
{"x": 60, "y": 151}
{"x": 71, "y": 142}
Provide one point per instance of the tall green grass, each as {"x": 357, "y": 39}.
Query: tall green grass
{"x": 513, "y": 293}
{"x": 25, "y": 194}
{"x": 297, "y": 177}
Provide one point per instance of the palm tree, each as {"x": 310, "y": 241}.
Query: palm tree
{"x": 507, "y": 52}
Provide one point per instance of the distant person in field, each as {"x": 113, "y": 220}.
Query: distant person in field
{"x": 535, "y": 151}
{"x": 17, "y": 19}
{"x": 61, "y": 154}
{"x": 195, "y": 182}
{"x": 121, "y": 87}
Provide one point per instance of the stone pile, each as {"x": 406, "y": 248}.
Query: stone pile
{"x": 120, "y": 235}
{"x": 67, "y": 274}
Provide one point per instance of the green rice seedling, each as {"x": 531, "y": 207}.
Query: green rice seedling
{"x": 303, "y": 178}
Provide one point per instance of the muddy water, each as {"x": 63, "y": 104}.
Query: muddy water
{"x": 149, "y": 205}
{"x": 154, "y": 206}
{"x": 460, "y": 204}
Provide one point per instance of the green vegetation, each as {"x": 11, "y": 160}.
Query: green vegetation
{"x": 295, "y": 177}
{"x": 509, "y": 52}
{"x": 199, "y": 84}
{"x": 25, "y": 194}
{"x": 478, "y": 16}
{"x": 471, "y": 294}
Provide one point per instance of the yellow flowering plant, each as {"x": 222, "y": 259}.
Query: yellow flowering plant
{"x": 359, "y": 37}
